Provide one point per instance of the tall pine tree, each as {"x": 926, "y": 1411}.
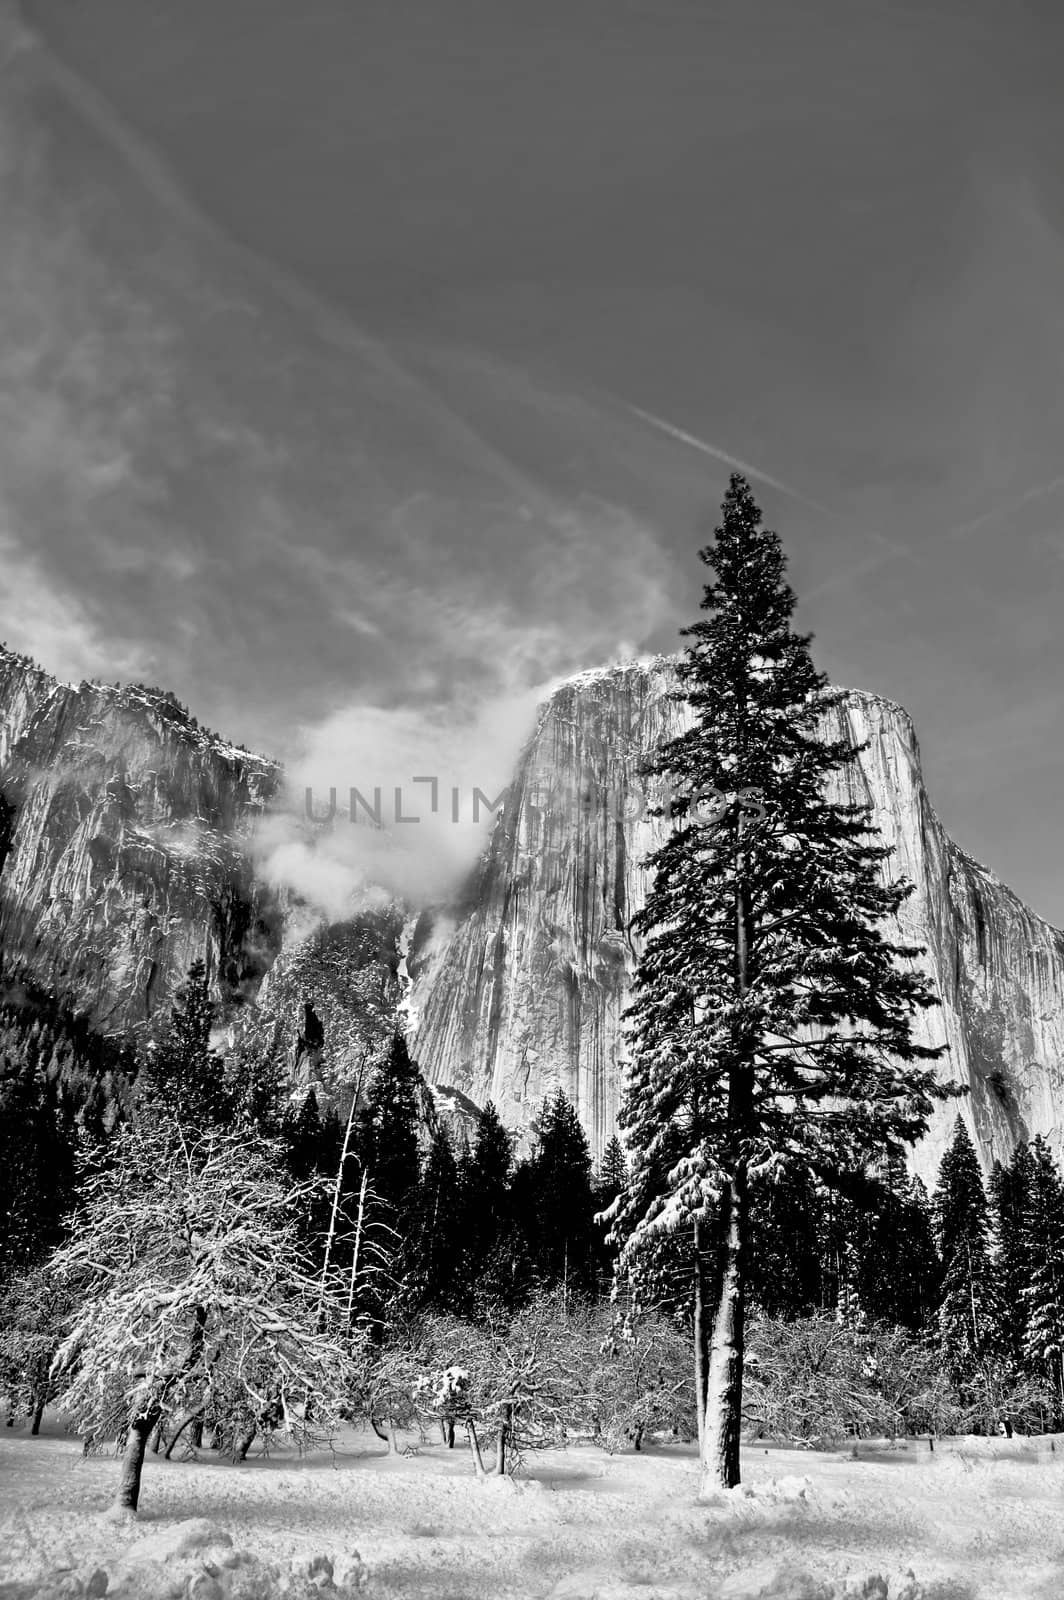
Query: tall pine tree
{"x": 897, "y": 1274}
{"x": 1010, "y": 1191}
{"x": 560, "y": 1180}
{"x": 969, "y": 1315}
{"x": 772, "y": 1015}
{"x": 1042, "y": 1295}
{"x": 494, "y": 1256}
{"x": 438, "y": 1227}
{"x": 389, "y": 1128}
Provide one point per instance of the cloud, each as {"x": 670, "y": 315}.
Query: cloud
{"x": 437, "y": 768}
{"x": 53, "y": 627}
{"x": 593, "y": 593}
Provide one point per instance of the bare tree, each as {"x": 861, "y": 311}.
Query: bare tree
{"x": 818, "y": 1379}
{"x": 32, "y": 1309}
{"x": 193, "y": 1294}
{"x": 640, "y": 1379}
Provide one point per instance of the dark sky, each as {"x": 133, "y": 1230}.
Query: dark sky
{"x": 824, "y": 239}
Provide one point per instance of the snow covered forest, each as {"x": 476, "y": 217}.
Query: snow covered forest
{"x": 443, "y": 1311}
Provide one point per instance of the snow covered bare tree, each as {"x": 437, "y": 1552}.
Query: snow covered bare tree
{"x": 192, "y": 1292}
{"x": 772, "y": 1018}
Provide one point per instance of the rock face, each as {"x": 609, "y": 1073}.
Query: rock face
{"x": 521, "y": 988}
{"x": 124, "y": 831}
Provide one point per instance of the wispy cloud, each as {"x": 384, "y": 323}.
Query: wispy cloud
{"x": 723, "y": 456}
{"x": 1041, "y": 491}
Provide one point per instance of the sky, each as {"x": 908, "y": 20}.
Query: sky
{"x": 390, "y": 358}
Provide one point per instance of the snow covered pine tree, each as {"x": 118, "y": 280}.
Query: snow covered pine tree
{"x": 771, "y": 1023}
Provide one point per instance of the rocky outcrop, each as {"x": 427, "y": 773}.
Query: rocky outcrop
{"x": 521, "y": 988}
{"x": 124, "y": 833}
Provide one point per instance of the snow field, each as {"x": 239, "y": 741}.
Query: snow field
{"x": 976, "y": 1520}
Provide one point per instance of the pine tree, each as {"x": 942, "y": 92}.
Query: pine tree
{"x": 921, "y": 1288}
{"x": 301, "y": 1131}
{"x": 183, "y": 1078}
{"x": 389, "y": 1128}
{"x": 968, "y": 1317}
{"x": 438, "y": 1227}
{"x": 561, "y": 1177}
{"x": 38, "y": 1140}
{"x": 610, "y": 1181}
{"x": 254, "y": 1086}
{"x": 897, "y": 1276}
{"x": 772, "y": 1014}
{"x": 493, "y": 1256}
{"x": 1010, "y": 1190}
{"x": 787, "y": 1233}
{"x": 612, "y": 1173}
{"x": 1043, "y": 1294}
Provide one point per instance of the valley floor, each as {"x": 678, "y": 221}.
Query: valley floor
{"x": 976, "y": 1519}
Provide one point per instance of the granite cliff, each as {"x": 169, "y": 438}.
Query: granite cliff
{"x": 520, "y": 988}
{"x": 124, "y": 847}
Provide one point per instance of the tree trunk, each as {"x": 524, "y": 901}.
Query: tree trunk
{"x": 474, "y": 1450}
{"x": 724, "y": 1398}
{"x": 719, "y": 1454}
{"x": 701, "y": 1335}
{"x": 335, "y": 1208}
{"x": 189, "y": 1417}
{"x": 38, "y": 1414}
{"x": 637, "y": 1439}
{"x": 355, "y": 1254}
{"x": 244, "y": 1443}
{"x": 140, "y": 1430}
{"x": 393, "y": 1442}
{"x": 502, "y": 1439}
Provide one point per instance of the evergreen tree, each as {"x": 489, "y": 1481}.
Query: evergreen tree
{"x": 389, "y": 1129}
{"x": 254, "y": 1087}
{"x": 38, "y": 1140}
{"x": 968, "y": 1317}
{"x": 897, "y": 1274}
{"x": 301, "y": 1132}
{"x": 787, "y": 1233}
{"x": 921, "y": 1285}
{"x": 612, "y": 1173}
{"x": 772, "y": 1013}
{"x": 495, "y": 1260}
{"x": 838, "y": 1256}
{"x": 1043, "y": 1294}
{"x": 1010, "y": 1191}
{"x": 560, "y": 1171}
{"x": 183, "y": 1078}
{"x": 610, "y": 1182}
{"x": 438, "y": 1227}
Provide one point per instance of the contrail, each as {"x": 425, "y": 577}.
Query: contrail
{"x": 888, "y": 549}
{"x": 730, "y": 461}
{"x": 1039, "y": 492}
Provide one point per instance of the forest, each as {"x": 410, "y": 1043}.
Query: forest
{"x": 269, "y": 1268}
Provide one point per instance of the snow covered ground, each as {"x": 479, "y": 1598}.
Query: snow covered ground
{"x": 975, "y": 1520}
